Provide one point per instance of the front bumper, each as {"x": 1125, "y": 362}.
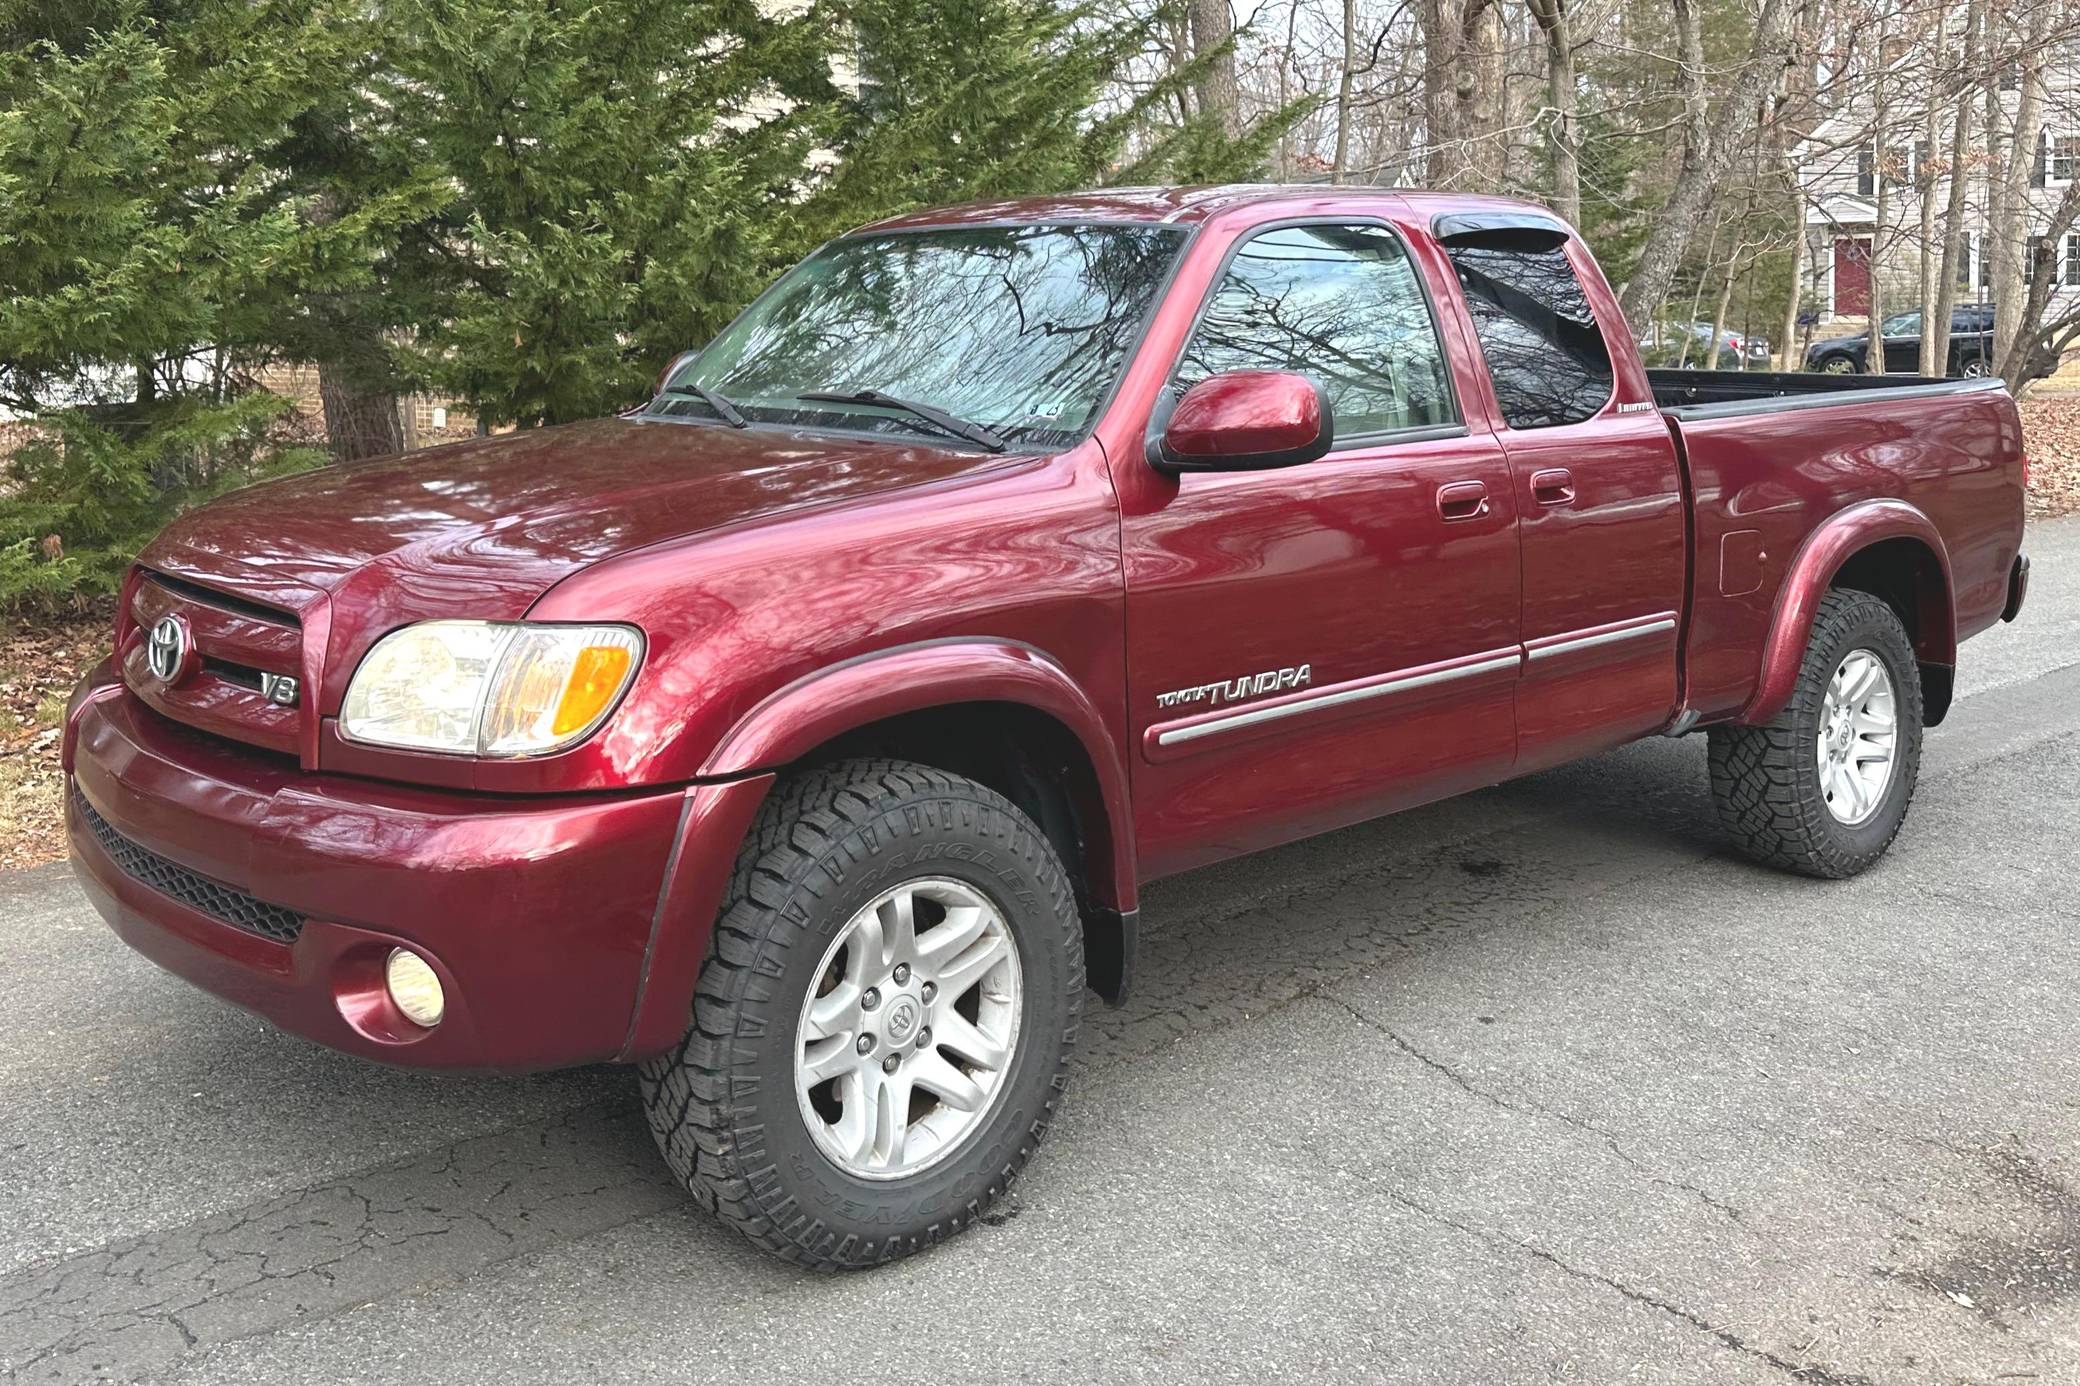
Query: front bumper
{"x": 538, "y": 915}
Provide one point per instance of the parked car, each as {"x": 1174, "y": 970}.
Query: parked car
{"x": 1670, "y": 344}
{"x": 1971, "y": 345}
{"x": 806, "y": 735}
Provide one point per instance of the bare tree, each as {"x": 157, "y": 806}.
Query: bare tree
{"x": 1565, "y": 136}
{"x": 2011, "y": 192}
{"x": 1709, "y": 147}
{"x": 1936, "y": 332}
{"x": 1881, "y": 176}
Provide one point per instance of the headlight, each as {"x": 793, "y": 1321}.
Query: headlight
{"x": 489, "y": 688}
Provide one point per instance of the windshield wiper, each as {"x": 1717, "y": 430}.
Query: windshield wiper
{"x": 957, "y": 426}
{"x": 721, "y": 404}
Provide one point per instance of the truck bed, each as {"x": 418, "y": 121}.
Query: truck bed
{"x": 1769, "y": 457}
{"x": 1713, "y": 394}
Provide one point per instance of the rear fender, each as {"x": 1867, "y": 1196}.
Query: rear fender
{"x": 1838, "y": 539}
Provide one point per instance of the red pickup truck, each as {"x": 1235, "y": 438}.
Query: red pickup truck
{"x": 805, "y": 735}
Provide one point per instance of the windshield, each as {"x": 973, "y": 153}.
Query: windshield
{"x": 1020, "y": 329}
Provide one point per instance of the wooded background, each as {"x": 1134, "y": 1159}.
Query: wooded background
{"x": 525, "y": 207}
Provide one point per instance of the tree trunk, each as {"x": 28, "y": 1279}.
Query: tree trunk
{"x": 1931, "y": 254}
{"x": 1787, "y": 345}
{"x": 1953, "y": 207}
{"x": 1719, "y": 314}
{"x": 1881, "y": 113}
{"x": 1219, "y": 92}
{"x": 1440, "y": 109}
{"x": 1708, "y": 149}
{"x": 2011, "y": 206}
{"x": 360, "y": 421}
{"x": 1565, "y": 130}
{"x": 1343, "y": 89}
{"x": 1480, "y": 92}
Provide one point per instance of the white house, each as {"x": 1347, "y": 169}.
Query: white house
{"x": 1842, "y": 169}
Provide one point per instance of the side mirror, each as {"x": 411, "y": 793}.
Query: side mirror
{"x": 1242, "y": 421}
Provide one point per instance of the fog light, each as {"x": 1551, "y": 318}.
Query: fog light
{"x": 414, "y": 988}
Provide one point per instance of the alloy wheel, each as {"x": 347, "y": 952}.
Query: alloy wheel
{"x": 1858, "y": 737}
{"x": 908, "y": 1033}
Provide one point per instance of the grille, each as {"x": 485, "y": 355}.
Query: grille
{"x": 197, "y": 892}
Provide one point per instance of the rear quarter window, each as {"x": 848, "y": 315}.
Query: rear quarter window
{"x": 1538, "y": 335}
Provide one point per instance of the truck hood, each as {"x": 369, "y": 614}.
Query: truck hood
{"x": 482, "y": 528}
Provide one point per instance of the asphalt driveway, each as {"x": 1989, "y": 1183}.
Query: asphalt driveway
{"x": 1537, "y": 1084}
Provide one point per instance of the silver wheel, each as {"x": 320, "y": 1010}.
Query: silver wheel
{"x": 1838, "y": 365}
{"x": 906, "y": 1037}
{"x": 1975, "y": 368}
{"x": 1858, "y": 737}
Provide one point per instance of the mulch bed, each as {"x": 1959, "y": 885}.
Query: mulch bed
{"x": 2051, "y": 440}
{"x": 40, "y": 660}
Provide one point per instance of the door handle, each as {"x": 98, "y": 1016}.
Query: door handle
{"x": 1554, "y": 487}
{"x": 1462, "y": 500}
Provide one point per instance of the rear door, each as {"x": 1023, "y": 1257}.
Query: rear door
{"x": 1321, "y": 643}
{"x": 1598, "y": 486}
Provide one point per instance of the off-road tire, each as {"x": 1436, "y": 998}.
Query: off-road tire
{"x": 1766, "y": 780}
{"x": 723, "y": 1105}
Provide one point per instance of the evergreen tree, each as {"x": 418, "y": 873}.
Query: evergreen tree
{"x": 149, "y": 257}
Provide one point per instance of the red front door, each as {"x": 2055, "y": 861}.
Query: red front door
{"x": 1852, "y": 278}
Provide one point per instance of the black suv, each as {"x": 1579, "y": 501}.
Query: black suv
{"x": 1971, "y": 345}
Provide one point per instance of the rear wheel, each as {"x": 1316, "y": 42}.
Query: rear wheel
{"x": 1823, "y": 788}
{"x": 882, "y": 1028}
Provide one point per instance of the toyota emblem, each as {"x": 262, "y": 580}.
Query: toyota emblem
{"x": 166, "y": 648}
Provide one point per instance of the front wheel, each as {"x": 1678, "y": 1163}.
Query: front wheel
{"x": 881, "y": 1031}
{"x": 1838, "y": 365}
{"x": 1823, "y": 787}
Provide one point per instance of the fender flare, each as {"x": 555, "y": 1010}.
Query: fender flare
{"x": 1838, "y": 539}
{"x": 826, "y": 703}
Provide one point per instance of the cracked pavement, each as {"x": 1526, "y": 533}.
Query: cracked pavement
{"x": 1538, "y": 1084}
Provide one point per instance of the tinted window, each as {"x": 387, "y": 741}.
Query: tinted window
{"x": 1020, "y": 328}
{"x": 1537, "y": 333}
{"x": 1339, "y": 303}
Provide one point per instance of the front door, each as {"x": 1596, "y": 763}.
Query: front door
{"x": 1597, "y": 482}
{"x": 1852, "y": 278}
{"x": 1318, "y": 644}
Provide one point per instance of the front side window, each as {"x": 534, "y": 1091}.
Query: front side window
{"x": 1544, "y": 350}
{"x": 1020, "y": 329}
{"x": 1902, "y": 325}
{"x": 1339, "y": 303}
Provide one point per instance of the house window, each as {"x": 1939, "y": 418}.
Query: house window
{"x": 2065, "y": 158}
{"x": 1985, "y": 259}
{"x": 1964, "y": 260}
{"x": 1920, "y": 170}
{"x": 2030, "y": 259}
{"x": 2072, "y": 276}
{"x": 1866, "y": 171}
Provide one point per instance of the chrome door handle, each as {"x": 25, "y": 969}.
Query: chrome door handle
{"x": 1554, "y": 487}
{"x": 1462, "y": 500}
